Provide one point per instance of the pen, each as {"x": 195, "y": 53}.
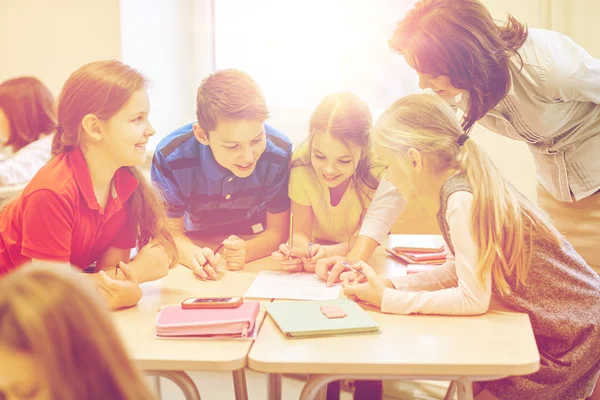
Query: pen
{"x": 351, "y": 268}
{"x": 291, "y": 241}
{"x": 219, "y": 247}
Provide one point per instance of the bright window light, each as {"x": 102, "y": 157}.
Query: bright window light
{"x": 298, "y": 52}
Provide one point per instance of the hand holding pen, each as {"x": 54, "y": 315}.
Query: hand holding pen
{"x": 205, "y": 262}
{"x": 298, "y": 259}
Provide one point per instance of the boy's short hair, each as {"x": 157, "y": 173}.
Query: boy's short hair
{"x": 230, "y": 94}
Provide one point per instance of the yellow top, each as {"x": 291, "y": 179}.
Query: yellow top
{"x": 330, "y": 224}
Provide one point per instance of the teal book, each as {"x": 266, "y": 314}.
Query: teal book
{"x": 304, "y": 319}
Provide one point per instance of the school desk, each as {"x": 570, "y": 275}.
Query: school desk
{"x": 168, "y": 358}
{"x": 461, "y": 349}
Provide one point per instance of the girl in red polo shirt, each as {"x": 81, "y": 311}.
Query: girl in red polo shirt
{"x": 90, "y": 204}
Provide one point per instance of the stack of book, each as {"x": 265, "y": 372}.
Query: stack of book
{"x": 418, "y": 249}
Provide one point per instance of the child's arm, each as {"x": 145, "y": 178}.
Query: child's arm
{"x": 442, "y": 277}
{"x": 470, "y": 297}
{"x": 118, "y": 291}
{"x": 384, "y": 210}
{"x": 151, "y": 263}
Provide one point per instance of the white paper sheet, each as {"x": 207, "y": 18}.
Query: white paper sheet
{"x": 292, "y": 286}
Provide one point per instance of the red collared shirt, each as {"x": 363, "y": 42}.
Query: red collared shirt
{"x": 58, "y": 218}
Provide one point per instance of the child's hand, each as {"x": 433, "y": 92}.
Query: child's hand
{"x": 204, "y": 263}
{"x": 151, "y": 263}
{"x": 195, "y": 258}
{"x": 300, "y": 259}
{"x": 329, "y": 269}
{"x": 234, "y": 249}
{"x": 120, "y": 293}
{"x": 370, "y": 291}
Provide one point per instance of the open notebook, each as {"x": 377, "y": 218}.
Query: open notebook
{"x": 305, "y": 319}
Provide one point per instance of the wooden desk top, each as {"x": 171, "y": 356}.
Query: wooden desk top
{"x": 499, "y": 343}
{"x": 137, "y": 324}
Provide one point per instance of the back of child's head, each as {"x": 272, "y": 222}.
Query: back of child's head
{"x": 229, "y": 94}
{"x": 102, "y": 88}
{"x": 53, "y": 315}
{"x": 29, "y": 108}
{"x": 503, "y": 221}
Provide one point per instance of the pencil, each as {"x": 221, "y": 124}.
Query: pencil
{"x": 219, "y": 247}
{"x": 291, "y": 241}
{"x": 351, "y": 268}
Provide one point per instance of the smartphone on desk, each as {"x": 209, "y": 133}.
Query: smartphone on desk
{"x": 212, "y": 302}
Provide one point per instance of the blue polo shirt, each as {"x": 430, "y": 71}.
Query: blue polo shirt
{"x": 211, "y": 197}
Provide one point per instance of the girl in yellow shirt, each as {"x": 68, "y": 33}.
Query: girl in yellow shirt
{"x": 332, "y": 180}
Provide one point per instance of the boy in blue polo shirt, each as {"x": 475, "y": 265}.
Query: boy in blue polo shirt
{"x": 226, "y": 174}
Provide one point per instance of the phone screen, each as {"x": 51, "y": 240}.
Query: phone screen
{"x": 213, "y": 300}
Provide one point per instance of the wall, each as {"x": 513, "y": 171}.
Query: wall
{"x": 171, "y": 44}
{"x": 50, "y": 40}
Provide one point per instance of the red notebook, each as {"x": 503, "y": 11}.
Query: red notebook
{"x": 416, "y": 256}
{"x": 410, "y": 260}
{"x": 233, "y": 322}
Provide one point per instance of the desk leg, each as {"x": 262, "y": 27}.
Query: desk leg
{"x": 464, "y": 389}
{"x": 274, "y": 386}
{"x": 316, "y": 387}
{"x": 451, "y": 389}
{"x": 181, "y": 379}
{"x": 156, "y": 382}
{"x": 322, "y": 395}
{"x": 239, "y": 384}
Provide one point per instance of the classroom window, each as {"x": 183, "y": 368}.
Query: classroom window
{"x": 298, "y": 52}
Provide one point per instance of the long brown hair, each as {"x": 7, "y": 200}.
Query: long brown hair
{"x": 460, "y": 40}
{"x": 52, "y": 314}
{"x": 101, "y": 88}
{"x": 348, "y": 119}
{"x": 504, "y": 222}
{"x": 29, "y": 107}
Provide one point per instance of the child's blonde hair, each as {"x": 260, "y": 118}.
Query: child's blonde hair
{"x": 504, "y": 223}
{"x": 50, "y": 312}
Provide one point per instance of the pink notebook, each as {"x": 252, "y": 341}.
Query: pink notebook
{"x": 234, "y": 322}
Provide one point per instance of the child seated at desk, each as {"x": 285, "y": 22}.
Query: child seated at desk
{"x": 332, "y": 180}
{"x": 226, "y": 176}
{"x": 333, "y": 177}
{"x": 90, "y": 204}
{"x": 27, "y": 122}
{"x": 57, "y": 340}
{"x": 500, "y": 242}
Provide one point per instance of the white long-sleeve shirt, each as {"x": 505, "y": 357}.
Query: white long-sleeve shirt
{"x": 25, "y": 163}
{"x": 553, "y": 105}
{"x": 453, "y": 288}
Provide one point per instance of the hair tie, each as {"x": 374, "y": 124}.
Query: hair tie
{"x": 462, "y": 139}
{"x": 59, "y": 129}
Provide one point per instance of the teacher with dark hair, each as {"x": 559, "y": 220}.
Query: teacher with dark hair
{"x": 532, "y": 85}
